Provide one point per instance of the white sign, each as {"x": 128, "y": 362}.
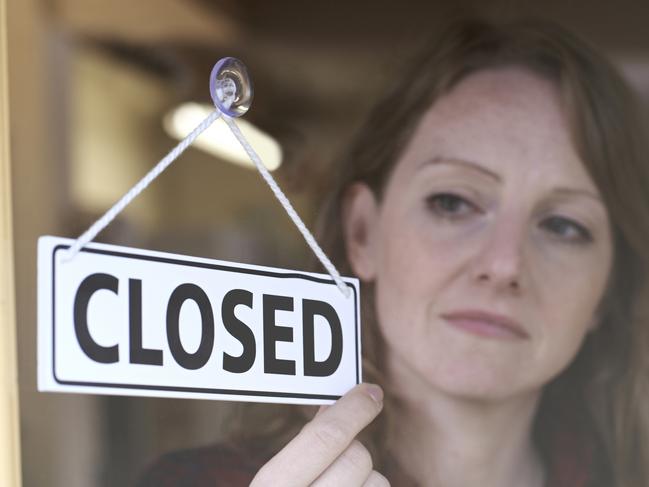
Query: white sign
{"x": 117, "y": 320}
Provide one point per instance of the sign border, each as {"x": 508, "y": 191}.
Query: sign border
{"x": 205, "y": 265}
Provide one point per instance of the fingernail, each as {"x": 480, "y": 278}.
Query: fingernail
{"x": 375, "y": 392}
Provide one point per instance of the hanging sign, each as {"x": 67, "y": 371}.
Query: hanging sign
{"x": 117, "y": 320}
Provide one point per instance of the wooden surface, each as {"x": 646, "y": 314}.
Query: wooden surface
{"x": 9, "y": 424}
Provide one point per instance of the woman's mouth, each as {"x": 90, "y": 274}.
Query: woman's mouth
{"x": 486, "y": 324}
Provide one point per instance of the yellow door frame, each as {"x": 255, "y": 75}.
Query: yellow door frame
{"x": 10, "y": 474}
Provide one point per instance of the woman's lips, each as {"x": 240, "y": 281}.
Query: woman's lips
{"x": 486, "y": 324}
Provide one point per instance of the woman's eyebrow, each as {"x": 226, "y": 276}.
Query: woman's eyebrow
{"x": 462, "y": 162}
{"x": 560, "y": 191}
{"x": 578, "y": 192}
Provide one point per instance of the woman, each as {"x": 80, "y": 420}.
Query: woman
{"x": 495, "y": 208}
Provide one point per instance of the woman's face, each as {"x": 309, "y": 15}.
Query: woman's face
{"x": 491, "y": 248}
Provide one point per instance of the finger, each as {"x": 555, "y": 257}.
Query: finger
{"x": 375, "y": 479}
{"x": 324, "y": 407}
{"x": 323, "y": 439}
{"x": 352, "y": 467}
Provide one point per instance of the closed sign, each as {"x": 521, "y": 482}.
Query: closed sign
{"x": 116, "y": 320}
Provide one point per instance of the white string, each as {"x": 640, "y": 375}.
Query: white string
{"x": 110, "y": 215}
{"x": 281, "y": 197}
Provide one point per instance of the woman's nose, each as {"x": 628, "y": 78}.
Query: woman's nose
{"x": 500, "y": 259}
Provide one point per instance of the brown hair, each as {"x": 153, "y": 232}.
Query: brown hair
{"x": 604, "y": 390}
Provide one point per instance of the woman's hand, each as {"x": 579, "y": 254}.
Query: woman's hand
{"x": 325, "y": 452}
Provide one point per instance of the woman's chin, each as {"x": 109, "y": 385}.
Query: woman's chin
{"x": 480, "y": 382}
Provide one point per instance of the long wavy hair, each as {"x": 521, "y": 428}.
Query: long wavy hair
{"x": 605, "y": 390}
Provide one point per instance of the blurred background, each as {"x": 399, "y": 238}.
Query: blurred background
{"x": 94, "y": 86}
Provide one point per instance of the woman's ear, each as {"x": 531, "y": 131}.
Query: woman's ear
{"x": 360, "y": 221}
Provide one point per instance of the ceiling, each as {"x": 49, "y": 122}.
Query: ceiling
{"x": 316, "y": 65}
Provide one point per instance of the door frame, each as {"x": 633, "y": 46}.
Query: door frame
{"x": 10, "y": 470}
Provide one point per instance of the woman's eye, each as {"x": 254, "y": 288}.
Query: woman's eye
{"x": 567, "y": 230}
{"x": 449, "y": 205}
